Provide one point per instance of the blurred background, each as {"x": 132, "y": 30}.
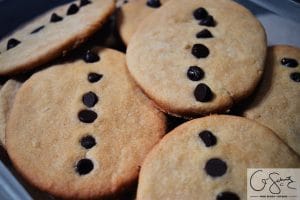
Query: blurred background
{"x": 13, "y": 13}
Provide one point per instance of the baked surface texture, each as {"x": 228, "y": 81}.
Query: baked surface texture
{"x": 208, "y": 158}
{"x": 7, "y": 96}
{"x": 277, "y": 101}
{"x": 131, "y": 15}
{"x": 52, "y": 34}
{"x": 229, "y": 53}
{"x": 74, "y": 154}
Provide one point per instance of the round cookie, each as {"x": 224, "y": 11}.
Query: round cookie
{"x": 132, "y": 14}
{"x": 277, "y": 101}
{"x": 82, "y": 130}
{"x": 7, "y": 96}
{"x": 198, "y": 57}
{"x": 207, "y": 158}
{"x": 52, "y": 34}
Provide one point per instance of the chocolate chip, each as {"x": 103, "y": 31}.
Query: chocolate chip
{"x": 228, "y": 196}
{"x": 84, "y": 166}
{"x": 289, "y": 62}
{"x": 295, "y": 76}
{"x": 89, "y": 99}
{"x": 55, "y": 18}
{"x": 88, "y": 142}
{"x": 200, "y": 13}
{"x": 215, "y": 167}
{"x": 94, "y": 77}
{"x": 203, "y": 93}
{"x": 84, "y": 2}
{"x": 208, "y": 138}
{"x": 153, "y": 3}
{"x": 73, "y": 9}
{"x": 204, "y": 34}
{"x": 200, "y": 51}
{"x": 208, "y": 21}
{"x": 91, "y": 57}
{"x": 195, "y": 73}
{"x": 12, "y": 43}
{"x": 37, "y": 29}
{"x": 87, "y": 116}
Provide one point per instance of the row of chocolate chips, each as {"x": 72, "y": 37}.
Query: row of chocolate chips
{"x": 89, "y": 99}
{"x": 292, "y": 63}
{"x": 205, "y": 19}
{"x": 216, "y": 167}
{"x": 53, "y": 19}
{"x": 202, "y": 92}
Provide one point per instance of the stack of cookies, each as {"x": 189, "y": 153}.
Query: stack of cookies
{"x": 88, "y": 121}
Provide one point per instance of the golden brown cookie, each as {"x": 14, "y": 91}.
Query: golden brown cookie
{"x": 132, "y": 13}
{"x": 52, "y": 34}
{"x": 207, "y": 158}
{"x": 82, "y": 129}
{"x": 277, "y": 101}
{"x": 198, "y": 57}
{"x": 7, "y": 96}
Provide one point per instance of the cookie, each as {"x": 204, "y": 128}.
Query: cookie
{"x": 52, "y": 34}
{"x": 207, "y": 158}
{"x": 82, "y": 129}
{"x": 132, "y": 14}
{"x": 198, "y": 57}
{"x": 7, "y": 95}
{"x": 277, "y": 101}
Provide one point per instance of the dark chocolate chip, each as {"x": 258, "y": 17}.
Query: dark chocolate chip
{"x": 84, "y": 2}
{"x": 200, "y": 51}
{"x": 84, "y": 166}
{"x": 289, "y": 62}
{"x": 12, "y": 43}
{"x": 208, "y": 138}
{"x": 73, "y": 9}
{"x": 215, "y": 167}
{"x": 200, "y": 13}
{"x": 55, "y": 18}
{"x": 203, "y": 93}
{"x": 195, "y": 73}
{"x": 153, "y": 3}
{"x": 204, "y": 34}
{"x": 37, "y": 29}
{"x": 91, "y": 57}
{"x": 208, "y": 21}
{"x": 228, "y": 196}
{"x": 87, "y": 116}
{"x": 295, "y": 76}
{"x": 88, "y": 142}
{"x": 89, "y": 99}
{"x": 94, "y": 77}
